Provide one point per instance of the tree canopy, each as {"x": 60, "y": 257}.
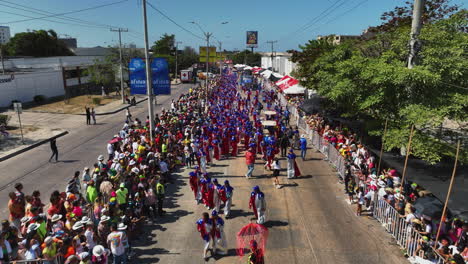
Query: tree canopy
{"x": 105, "y": 71}
{"x": 247, "y": 57}
{"x": 368, "y": 79}
{"x": 37, "y": 43}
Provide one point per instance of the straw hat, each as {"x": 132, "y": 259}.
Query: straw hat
{"x": 32, "y": 227}
{"x": 98, "y": 250}
{"x": 77, "y": 226}
{"x": 121, "y": 227}
{"x": 25, "y": 219}
{"x": 104, "y": 218}
{"x": 56, "y": 217}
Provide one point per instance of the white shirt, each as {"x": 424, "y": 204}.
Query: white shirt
{"x": 89, "y": 238}
{"x": 110, "y": 148}
{"x": 116, "y": 242}
{"x": 276, "y": 165}
{"x": 409, "y": 218}
{"x": 163, "y": 166}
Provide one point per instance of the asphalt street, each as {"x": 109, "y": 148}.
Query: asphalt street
{"x": 309, "y": 219}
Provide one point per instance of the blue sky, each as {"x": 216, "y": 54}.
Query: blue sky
{"x": 273, "y": 19}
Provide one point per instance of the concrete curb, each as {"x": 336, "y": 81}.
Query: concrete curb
{"x": 35, "y": 145}
{"x": 98, "y": 114}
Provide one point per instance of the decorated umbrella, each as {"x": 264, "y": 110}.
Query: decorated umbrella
{"x": 247, "y": 234}
{"x": 115, "y": 140}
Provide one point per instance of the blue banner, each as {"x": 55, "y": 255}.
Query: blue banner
{"x": 137, "y": 76}
{"x": 161, "y": 81}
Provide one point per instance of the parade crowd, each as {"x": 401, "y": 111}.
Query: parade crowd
{"x": 104, "y": 207}
{"x": 366, "y": 187}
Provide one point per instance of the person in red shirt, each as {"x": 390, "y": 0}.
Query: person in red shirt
{"x": 250, "y": 160}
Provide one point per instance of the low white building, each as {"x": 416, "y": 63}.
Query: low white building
{"x": 4, "y": 34}
{"x": 53, "y": 76}
{"x": 280, "y": 62}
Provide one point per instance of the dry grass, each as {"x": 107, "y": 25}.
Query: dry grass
{"x": 76, "y": 105}
{"x": 17, "y": 131}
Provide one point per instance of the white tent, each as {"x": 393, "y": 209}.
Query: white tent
{"x": 277, "y": 75}
{"x": 266, "y": 74}
{"x": 295, "y": 89}
{"x": 247, "y": 68}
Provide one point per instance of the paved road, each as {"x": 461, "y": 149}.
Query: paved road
{"x": 309, "y": 218}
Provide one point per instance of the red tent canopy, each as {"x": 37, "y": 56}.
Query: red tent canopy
{"x": 256, "y": 69}
{"x": 286, "y": 82}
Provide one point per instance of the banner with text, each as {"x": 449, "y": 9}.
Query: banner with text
{"x": 137, "y": 76}
{"x": 212, "y": 54}
{"x": 161, "y": 82}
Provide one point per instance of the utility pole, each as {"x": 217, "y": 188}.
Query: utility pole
{"x": 148, "y": 77}
{"x": 176, "y": 51}
{"x": 1, "y": 58}
{"x": 272, "y": 42}
{"x": 120, "y": 30}
{"x": 207, "y": 35}
{"x": 221, "y": 59}
{"x": 415, "y": 44}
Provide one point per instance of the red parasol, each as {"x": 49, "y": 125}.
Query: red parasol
{"x": 250, "y": 232}
{"x": 115, "y": 140}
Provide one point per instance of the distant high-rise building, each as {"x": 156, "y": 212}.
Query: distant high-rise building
{"x": 70, "y": 42}
{"x": 4, "y": 34}
{"x": 132, "y": 46}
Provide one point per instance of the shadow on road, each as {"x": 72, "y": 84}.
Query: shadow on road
{"x": 275, "y": 223}
{"x": 239, "y": 213}
{"x": 230, "y": 253}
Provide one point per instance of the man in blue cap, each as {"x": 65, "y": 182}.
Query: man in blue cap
{"x": 258, "y": 204}
{"x": 227, "y": 197}
{"x": 219, "y": 237}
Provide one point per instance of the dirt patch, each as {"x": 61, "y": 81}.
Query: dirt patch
{"x": 75, "y": 105}
{"x": 14, "y": 130}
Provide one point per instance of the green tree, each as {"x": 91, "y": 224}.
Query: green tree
{"x": 369, "y": 79}
{"x": 247, "y": 57}
{"x": 187, "y": 57}
{"x": 165, "y": 45}
{"x": 37, "y": 43}
{"x": 105, "y": 71}
{"x": 401, "y": 15}
{"x": 164, "y": 48}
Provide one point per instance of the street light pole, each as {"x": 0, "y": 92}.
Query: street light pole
{"x": 148, "y": 77}
{"x": 221, "y": 59}
{"x": 272, "y": 42}
{"x": 120, "y": 30}
{"x": 176, "y": 51}
{"x": 207, "y": 35}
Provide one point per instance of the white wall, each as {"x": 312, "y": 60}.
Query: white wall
{"x": 25, "y": 86}
{"x": 281, "y": 64}
{"x": 50, "y": 62}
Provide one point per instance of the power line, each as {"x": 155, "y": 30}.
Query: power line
{"x": 324, "y": 13}
{"x": 44, "y": 12}
{"x": 53, "y": 21}
{"x": 67, "y": 13}
{"x": 344, "y": 13}
{"x": 174, "y": 22}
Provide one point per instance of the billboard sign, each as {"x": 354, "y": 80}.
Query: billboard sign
{"x": 212, "y": 54}
{"x": 252, "y": 39}
{"x": 160, "y": 79}
{"x": 137, "y": 70}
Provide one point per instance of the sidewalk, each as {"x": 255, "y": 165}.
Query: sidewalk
{"x": 39, "y": 126}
